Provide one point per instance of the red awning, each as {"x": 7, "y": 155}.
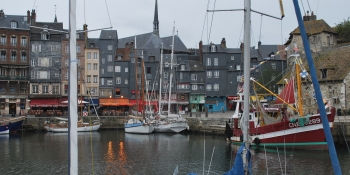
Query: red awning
{"x": 115, "y": 102}
{"x": 232, "y": 97}
{"x": 44, "y": 102}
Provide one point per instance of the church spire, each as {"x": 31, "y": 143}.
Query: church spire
{"x": 155, "y": 21}
{"x": 55, "y": 20}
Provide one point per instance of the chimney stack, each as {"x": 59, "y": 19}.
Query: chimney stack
{"x": 201, "y": 51}
{"x": 2, "y": 14}
{"x": 223, "y": 43}
{"x": 28, "y": 17}
{"x": 308, "y": 17}
{"x": 33, "y": 17}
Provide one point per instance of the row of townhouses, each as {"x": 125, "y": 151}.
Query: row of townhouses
{"x": 124, "y": 73}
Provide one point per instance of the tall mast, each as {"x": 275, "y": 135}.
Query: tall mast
{"x": 318, "y": 93}
{"x": 72, "y": 93}
{"x": 246, "y": 81}
{"x": 171, "y": 69}
{"x": 160, "y": 81}
{"x": 297, "y": 70}
{"x": 136, "y": 80}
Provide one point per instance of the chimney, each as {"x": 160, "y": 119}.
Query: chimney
{"x": 308, "y": 17}
{"x": 86, "y": 34}
{"x": 259, "y": 43}
{"x": 241, "y": 46}
{"x": 201, "y": 51}
{"x": 33, "y": 17}
{"x": 2, "y": 14}
{"x": 223, "y": 43}
{"x": 28, "y": 17}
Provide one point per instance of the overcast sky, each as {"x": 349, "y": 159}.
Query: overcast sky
{"x": 134, "y": 17}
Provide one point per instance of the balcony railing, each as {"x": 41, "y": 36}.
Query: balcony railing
{"x": 14, "y": 77}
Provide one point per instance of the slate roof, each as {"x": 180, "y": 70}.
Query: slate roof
{"x": 108, "y": 34}
{"x": 93, "y": 40}
{"x": 6, "y": 21}
{"x": 50, "y": 25}
{"x": 151, "y": 41}
{"x": 265, "y": 50}
{"x": 314, "y": 27}
{"x": 195, "y": 66}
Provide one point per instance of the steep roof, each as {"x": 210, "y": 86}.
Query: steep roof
{"x": 21, "y": 23}
{"x": 108, "y": 34}
{"x": 314, "y": 27}
{"x": 264, "y": 51}
{"x": 93, "y": 40}
{"x": 50, "y": 25}
{"x": 195, "y": 66}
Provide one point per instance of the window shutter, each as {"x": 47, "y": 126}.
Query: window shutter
{"x": 39, "y": 61}
{"x": 33, "y": 48}
{"x": 48, "y": 74}
{"x": 50, "y": 61}
{"x": 39, "y": 48}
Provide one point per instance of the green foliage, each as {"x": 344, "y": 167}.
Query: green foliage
{"x": 343, "y": 30}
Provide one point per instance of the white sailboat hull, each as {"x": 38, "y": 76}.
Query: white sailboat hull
{"x": 170, "y": 127}
{"x": 79, "y": 129}
{"x": 143, "y": 129}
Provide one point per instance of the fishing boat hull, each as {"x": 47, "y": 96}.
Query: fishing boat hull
{"x": 139, "y": 129}
{"x": 289, "y": 134}
{"x": 14, "y": 123}
{"x": 86, "y": 128}
{"x": 4, "y": 129}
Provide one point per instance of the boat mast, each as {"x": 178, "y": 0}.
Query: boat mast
{"x": 318, "y": 93}
{"x": 160, "y": 81}
{"x": 72, "y": 93}
{"x": 171, "y": 69}
{"x": 246, "y": 85}
{"x": 136, "y": 82}
{"x": 300, "y": 100}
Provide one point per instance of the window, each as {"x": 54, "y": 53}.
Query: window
{"x": 109, "y": 68}
{"x": 119, "y": 57}
{"x": 88, "y": 79}
{"x": 88, "y": 55}
{"x": 239, "y": 78}
{"x": 3, "y": 40}
{"x": 126, "y": 81}
{"x": 43, "y": 74}
{"x": 66, "y": 61}
{"x": 273, "y": 65}
{"x": 2, "y": 71}
{"x": 165, "y": 74}
{"x": 216, "y": 61}
{"x": 44, "y": 62}
{"x": 78, "y": 48}
{"x": 36, "y": 48}
{"x": 95, "y": 66}
{"x": 3, "y": 55}
{"x": 35, "y": 89}
{"x": 323, "y": 73}
{"x": 193, "y": 76}
{"x": 182, "y": 67}
{"x": 13, "y": 40}
{"x": 213, "y": 48}
{"x": 102, "y": 92}
{"x": 272, "y": 77}
{"x": 109, "y": 81}
{"x": 12, "y": 72}
{"x": 45, "y": 89}
{"x": 45, "y": 35}
{"x": 102, "y": 71}
{"x": 216, "y": 87}
{"x": 194, "y": 87}
{"x": 22, "y": 72}
{"x": 23, "y": 41}
{"x": 181, "y": 75}
{"x": 33, "y": 62}
{"x": 132, "y": 60}
{"x": 102, "y": 80}
{"x": 33, "y": 75}
{"x": 238, "y": 67}
{"x": 89, "y": 66}
{"x": 109, "y": 57}
{"x": 103, "y": 61}
{"x": 95, "y": 56}
{"x": 109, "y": 92}
{"x": 53, "y": 48}
{"x": 78, "y": 61}
{"x": 66, "y": 49}
{"x": 55, "y": 89}
{"x": 216, "y": 74}
{"x": 118, "y": 80}
{"x": 208, "y": 61}
{"x": 57, "y": 75}
{"x": 66, "y": 75}
{"x": 149, "y": 70}
{"x": 208, "y": 87}
{"x": 109, "y": 47}
{"x": 13, "y": 55}
{"x": 126, "y": 69}
{"x": 232, "y": 57}
{"x": 13, "y": 24}
{"x": 209, "y": 74}
{"x": 117, "y": 68}
{"x": 95, "y": 78}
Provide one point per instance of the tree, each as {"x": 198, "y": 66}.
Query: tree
{"x": 343, "y": 30}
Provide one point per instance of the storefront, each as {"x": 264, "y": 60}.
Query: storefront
{"x": 215, "y": 104}
{"x": 197, "y": 102}
{"x": 114, "y": 106}
{"x": 13, "y": 105}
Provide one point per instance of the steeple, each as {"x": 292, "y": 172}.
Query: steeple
{"x": 155, "y": 21}
{"x": 55, "y": 20}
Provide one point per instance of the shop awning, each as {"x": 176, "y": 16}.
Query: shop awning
{"x": 44, "y": 102}
{"x": 114, "y": 102}
{"x": 92, "y": 102}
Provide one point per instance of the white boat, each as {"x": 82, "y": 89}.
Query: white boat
{"x": 135, "y": 126}
{"x": 172, "y": 123}
{"x": 62, "y": 125}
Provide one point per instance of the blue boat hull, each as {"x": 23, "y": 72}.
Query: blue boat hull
{"x": 4, "y": 129}
{"x": 15, "y": 126}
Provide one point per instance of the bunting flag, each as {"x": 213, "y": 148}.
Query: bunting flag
{"x": 304, "y": 74}
{"x": 296, "y": 50}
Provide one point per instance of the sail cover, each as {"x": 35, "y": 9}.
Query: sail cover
{"x": 287, "y": 93}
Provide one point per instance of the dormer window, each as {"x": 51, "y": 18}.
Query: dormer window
{"x": 13, "y": 24}
{"x": 213, "y": 48}
{"x": 119, "y": 57}
{"x": 45, "y": 34}
{"x": 92, "y": 44}
{"x": 323, "y": 73}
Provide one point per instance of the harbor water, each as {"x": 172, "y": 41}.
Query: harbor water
{"x": 116, "y": 152}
